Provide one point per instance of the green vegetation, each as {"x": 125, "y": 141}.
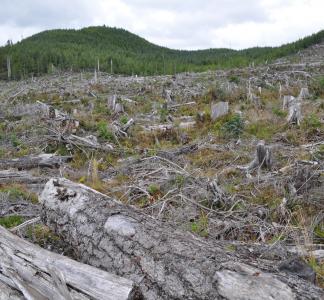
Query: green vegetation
{"x": 104, "y": 132}
{"x": 263, "y": 130}
{"x": 279, "y": 113}
{"x": 11, "y": 221}
{"x": 317, "y": 87}
{"x": 200, "y": 226}
{"x": 122, "y": 52}
{"x": 233, "y": 127}
{"x": 19, "y": 192}
{"x": 42, "y": 235}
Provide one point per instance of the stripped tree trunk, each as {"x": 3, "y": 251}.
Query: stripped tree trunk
{"x": 40, "y": 274}
{"x": 165, "y": 262}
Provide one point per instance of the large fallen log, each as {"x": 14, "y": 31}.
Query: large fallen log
{"x": 165, "y": 262}
{"x": 40, "y": 274}
{"x": 30, "y": 162}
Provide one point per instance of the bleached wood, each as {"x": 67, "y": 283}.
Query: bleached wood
{"x": 29, "y": 162}
{"x": 25, "y": 267}
{"x": 219, "y": 109}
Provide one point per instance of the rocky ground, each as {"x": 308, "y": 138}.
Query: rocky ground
{"x": 162, "y": 145}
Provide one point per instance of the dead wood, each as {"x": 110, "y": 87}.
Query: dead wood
{"x": 166, "y": 127}
{"x": 294, "y": 114}
{"x": 40, "y": 274}
{"x": 219, "y": 109}
{"x": 263, "y": 157}
{"x": 30, "y": 162}
{"x": 11, "y": 176}
{"x": 166, "y": 263}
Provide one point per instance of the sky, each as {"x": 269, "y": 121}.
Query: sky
{"x": 184, "y": 24}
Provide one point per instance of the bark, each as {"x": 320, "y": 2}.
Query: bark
{"x": 40, "y": 274}
{"x": 31, "y": 162}
{"x": 165, "y": 262}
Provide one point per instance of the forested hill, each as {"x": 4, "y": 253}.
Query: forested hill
{"x": 129, "y": 54}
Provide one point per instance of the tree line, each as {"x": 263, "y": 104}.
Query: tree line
{"x": 121, "y": 52}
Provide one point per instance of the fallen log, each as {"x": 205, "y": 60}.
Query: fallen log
{"x": 78, "y": 141}
{"x": 11, "y": 176}
{"x": 165, "y": 262}
{"x": 40, "y": 274}
{"x": 31, "y": 162}
{"x": 166, "y": 127}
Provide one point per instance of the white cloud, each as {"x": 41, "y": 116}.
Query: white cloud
{"x": 182, "y": 24}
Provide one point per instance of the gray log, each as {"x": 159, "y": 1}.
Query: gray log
{"x": 40, "y": 274}
{"x": 30, "y": 162}
{"x": 166, "y": 263}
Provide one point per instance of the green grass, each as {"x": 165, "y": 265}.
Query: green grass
{"x": 262, "y": 130}
{"x": 11, "y": 221}
{"x": 104, "y": 132}
{"x": 200, "y": 226}
{"x": 16, "y": 192}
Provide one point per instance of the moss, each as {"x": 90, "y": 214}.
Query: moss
{"x": 11, "y": 221}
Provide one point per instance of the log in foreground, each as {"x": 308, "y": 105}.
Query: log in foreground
{"x": 40, "y": 274}
{"x": 165, "y": 262}
{"x": 29, "y": 162}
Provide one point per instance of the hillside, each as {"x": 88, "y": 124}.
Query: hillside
{"x": 189, "y": 186}
{"x": 81, "y": 49}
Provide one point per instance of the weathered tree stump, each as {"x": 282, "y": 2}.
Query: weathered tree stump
{"x": 166, "y": 263}
{"x": 294, "y": 114}
{"x": 263, "y": 157}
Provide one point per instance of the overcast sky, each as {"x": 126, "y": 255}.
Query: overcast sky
{"x": 184, "y": 24}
